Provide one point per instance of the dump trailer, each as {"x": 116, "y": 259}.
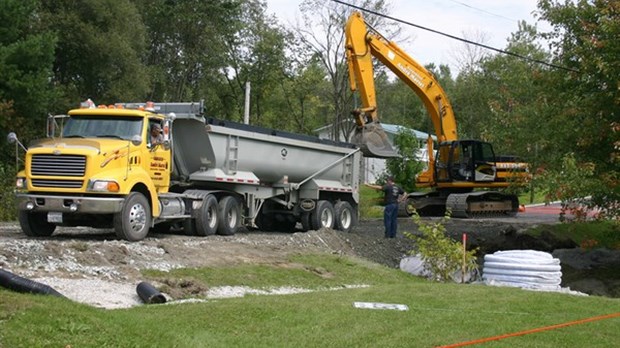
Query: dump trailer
{"x": 159, "y": 166}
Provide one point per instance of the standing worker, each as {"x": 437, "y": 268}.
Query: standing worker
{"x": 392, "y": 195}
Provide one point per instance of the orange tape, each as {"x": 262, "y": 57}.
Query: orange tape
{"x": 526, "y": 332}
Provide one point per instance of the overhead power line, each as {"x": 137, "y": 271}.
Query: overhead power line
{"x": 483, "y": 11}
{"x": 456, "y": 37}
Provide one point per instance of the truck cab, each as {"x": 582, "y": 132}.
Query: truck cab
{"x": 92, "y": 159}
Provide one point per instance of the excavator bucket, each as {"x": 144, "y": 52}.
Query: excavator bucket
{"x": 373, "y": 141}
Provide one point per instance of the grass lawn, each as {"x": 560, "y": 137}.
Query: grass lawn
{"x": 439, "y": 314}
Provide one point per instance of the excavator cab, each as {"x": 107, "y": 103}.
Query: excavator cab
{"x": 465, "y": 161}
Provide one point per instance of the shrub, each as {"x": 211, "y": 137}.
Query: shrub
{"x": 442, "y": 255}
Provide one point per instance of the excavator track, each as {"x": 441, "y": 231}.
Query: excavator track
{"x": 482, "y": 204}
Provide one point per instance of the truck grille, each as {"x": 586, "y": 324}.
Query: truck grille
{"x": 57, "y": 183}
{"x": 58, "y": 165}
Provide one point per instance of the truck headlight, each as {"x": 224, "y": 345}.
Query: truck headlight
{"x": 20, "y": 183}
{"x": 104, "y": 186}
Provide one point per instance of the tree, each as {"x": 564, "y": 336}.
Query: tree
{"x": 406, "y": 168}
{"x": 302, "y": 97}
{"x": 257, "y": 55}
{"x": 26, "y": 57}
{"x": 187, "y": 53}
{"x": 99, "y": 50}
{"x": 322, "y": 35}
{"x": 584, "y": 38}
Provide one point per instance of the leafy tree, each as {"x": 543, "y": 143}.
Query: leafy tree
{"x": 301, "y": 97}
{"x": 26, "y": 57}
{"x": 322, "y": 36}
{"x": 586, "y": 99}
{"x": 99, "y": 50}
{"x": 257, "y": 55}
{"x": 406, "y": 168}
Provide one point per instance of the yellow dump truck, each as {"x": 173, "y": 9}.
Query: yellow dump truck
{"x": 156, "y": 166}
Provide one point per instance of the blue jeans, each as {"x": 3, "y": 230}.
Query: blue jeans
{"x": 390, "y": 220}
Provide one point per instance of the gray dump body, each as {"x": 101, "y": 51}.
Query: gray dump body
{"x": 226, "y": 152}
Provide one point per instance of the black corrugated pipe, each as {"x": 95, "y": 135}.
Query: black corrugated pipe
{"x": 16, "y": 283}
{"x": 149, "y": 294}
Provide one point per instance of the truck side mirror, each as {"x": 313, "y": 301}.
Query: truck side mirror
{"x": 11, "y": 138}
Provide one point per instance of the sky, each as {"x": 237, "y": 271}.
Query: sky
{"x": 497, "y": 19}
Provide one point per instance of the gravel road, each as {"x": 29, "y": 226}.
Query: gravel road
{"x": 93, "y": 267}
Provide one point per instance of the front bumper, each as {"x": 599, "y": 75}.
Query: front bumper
{"x": 68, "y": 204}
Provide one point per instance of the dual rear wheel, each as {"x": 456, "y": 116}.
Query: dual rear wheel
{"x": 341, "y": 216}
{"x": 213, "y": 217}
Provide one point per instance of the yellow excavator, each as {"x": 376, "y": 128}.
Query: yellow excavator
{"x": 462, "y": 173}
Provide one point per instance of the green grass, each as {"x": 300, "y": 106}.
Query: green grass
{"x": 439, "y": 314}
{"x": 370, "y": 203}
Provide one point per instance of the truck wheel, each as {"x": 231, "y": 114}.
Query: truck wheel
{"x": 206, "y": 217}
{"x": 35, "y": 224}
{"x": 346, "y": 216}
{"x": 229, "y": 215}
{"x": 134, "y": 220}
{"x": 322, "y": 216}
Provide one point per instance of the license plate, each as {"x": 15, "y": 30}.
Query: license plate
{"x": 54, "y": 217}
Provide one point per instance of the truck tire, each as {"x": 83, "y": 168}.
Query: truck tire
{"x": 35, "y": 224}
{"x": 229, "y": 216}
{"x": 322, "y": 216}
{"x": 207, "y": 219}
{"x": 134, "y": 220}
{"x": 346, "y": 216}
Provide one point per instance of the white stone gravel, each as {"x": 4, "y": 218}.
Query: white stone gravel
{"x": 114, "y": 295}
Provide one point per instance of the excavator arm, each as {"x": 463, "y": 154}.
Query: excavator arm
{"x": 362, "y": 44}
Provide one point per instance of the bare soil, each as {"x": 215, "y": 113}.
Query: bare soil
{"x": 75, "y": 255}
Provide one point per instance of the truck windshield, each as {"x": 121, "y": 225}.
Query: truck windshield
{"x": 103, "y": 127}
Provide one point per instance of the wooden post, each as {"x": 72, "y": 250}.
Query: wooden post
{"x": 464, "y": 266}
